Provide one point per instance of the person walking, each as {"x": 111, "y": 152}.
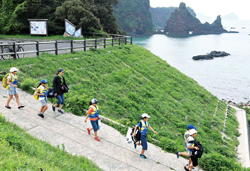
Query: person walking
{"x": 93, "y": 115}
{"x": 143, "y": 126}
{"x": 12, "y": 81}
{"x": 191, "y": 148}
{"x": 60, "y": 87}
{"x": 42, "y": 92}
{"x": 186, "y": 136}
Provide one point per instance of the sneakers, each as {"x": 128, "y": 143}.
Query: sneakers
{"x": 41, "y": 115}
{"x": 19, "y": 107}
{"x": 186, "y": 168}
{"x": 177, "y": 154}
{"x": 88, "y": 131}
{"x": 135, "y": 145}
{"x": 53, "y": 108}
{"x": 187, "y": 165}
{"x": 143, "y": 156}
{"x": 60, "y": 111}
{"x": 97, "y": 139}
{"x": 8, "y": 107}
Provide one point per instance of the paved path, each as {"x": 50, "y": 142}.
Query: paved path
{"x": 112, "y": 153}
{"x": 243, "y": 149}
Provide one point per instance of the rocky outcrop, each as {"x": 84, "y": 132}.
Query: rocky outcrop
{"x": 181, "y": 22}
{"x": 211, "y": 55}
{"x": 160, "y": 15}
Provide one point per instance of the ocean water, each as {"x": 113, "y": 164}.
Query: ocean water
{"x": 227, "y": 77}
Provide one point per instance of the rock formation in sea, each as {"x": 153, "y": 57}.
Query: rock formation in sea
{"x": 181, "y": 22}
{"x": 211, "y": 55}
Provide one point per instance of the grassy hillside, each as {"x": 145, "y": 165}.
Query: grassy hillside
{"x": 20, "y": 151}
{"x": 128, "y": 81}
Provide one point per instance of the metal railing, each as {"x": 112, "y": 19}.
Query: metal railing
{"x": 86, "y": 43}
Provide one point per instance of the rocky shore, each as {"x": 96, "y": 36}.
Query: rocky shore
{"x": 211, "y": 55}
{"x": 239, "y": 105}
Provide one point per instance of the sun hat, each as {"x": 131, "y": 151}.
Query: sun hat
{"x": 13, "y": 69}
{"x": 144, "y": 115}
{"x": 44, "y": 81}
{"x": 94, "y": 101}
{"x": 190, "y": 126}
{"x": 60, "y": 70}
{"x": 192, "y": 131}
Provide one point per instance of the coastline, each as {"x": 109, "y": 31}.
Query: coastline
{"x": 244, "y": 146}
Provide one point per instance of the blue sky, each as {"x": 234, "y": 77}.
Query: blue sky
{"x": 211, "y": 8}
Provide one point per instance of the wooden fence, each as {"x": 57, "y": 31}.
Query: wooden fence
{"x": 86, "y": 43}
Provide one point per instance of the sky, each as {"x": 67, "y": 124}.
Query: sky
{"x": 211, "y": 8}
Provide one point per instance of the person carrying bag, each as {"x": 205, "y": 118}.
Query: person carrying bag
{"x": 60, "y": 87}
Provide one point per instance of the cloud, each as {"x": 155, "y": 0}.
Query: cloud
{"x": 211, "y": 8}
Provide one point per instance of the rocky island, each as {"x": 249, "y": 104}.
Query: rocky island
{"x": 211, "y": 55}
{"x": 181, "y": 22}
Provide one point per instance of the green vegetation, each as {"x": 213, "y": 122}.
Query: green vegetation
{"x": 133, "y": 16}
{"x": 161, "y": 15}
{"x": 88, "y": 14}
{"x": 58, "y": 37}
{"x": 128, "y": 80}
{"x": 21, "y": 151}
{"x": 248, "y": 114}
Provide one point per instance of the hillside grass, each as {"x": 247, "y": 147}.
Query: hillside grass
{"x": 128, "y": 80}
{"x": 21, "y": 151}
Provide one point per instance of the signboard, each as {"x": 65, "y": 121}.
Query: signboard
{"x": 78, "y": 33}
{"x": 38, "y": 27}
{"x": 69, "y": 28}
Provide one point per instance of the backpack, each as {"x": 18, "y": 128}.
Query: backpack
{"x": 137, "y": 136}
{"x": 198, "y": 153}
{"x": 4, "y": 81}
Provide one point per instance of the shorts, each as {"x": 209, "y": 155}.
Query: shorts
{"x": 12, "y": 90}
{"x": 43, "y": 102}
{"x": 95, "y": 125}
{"x": 194, "y": 161}
{"x": 144, "y": 142}
{"x": 190, "y": 153}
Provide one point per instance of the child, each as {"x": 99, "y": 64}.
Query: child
{"x": 191, "y": 148}
{"x": 12, "y": 81}
{"x": 143, "y": 128}
{"x": 93, "y": 114}
{"x": 186, "y": 135}
{"x": 42, "y": 92}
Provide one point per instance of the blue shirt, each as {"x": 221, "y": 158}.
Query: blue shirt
{"x": 144, "y": 129}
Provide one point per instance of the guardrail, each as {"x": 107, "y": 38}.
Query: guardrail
{"x": 86, "y": 43}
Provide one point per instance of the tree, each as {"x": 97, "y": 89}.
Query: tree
{"x": 76, "y": 12}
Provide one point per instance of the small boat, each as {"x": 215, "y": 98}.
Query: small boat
{"x": 232, "y": 27}
{"x": 243, "y": 27}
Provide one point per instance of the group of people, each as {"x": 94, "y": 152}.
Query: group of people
{"x": 60, "y": 87}
{"x": 42, "y": 91}
{"x": 189, "y": 137}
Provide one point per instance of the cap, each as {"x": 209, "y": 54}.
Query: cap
{"x": 94, "y": 101}
{"x": 144, "y": 115}
{"x": 190, "y": 126}
{"x": 44, "y": 81}
{"x": 192, "y": 131}
{"x": 60, "y": 70}
{"x": 13, "y": 69}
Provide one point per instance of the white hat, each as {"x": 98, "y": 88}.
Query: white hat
{"x": 13, "y": 69}
{"x": 192, "y": 131}
{"x": 144, "y": 115}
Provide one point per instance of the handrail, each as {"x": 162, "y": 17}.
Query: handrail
{"x": 95, "y": 43}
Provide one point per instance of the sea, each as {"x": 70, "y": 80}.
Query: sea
{"x": 226, "y": 77}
